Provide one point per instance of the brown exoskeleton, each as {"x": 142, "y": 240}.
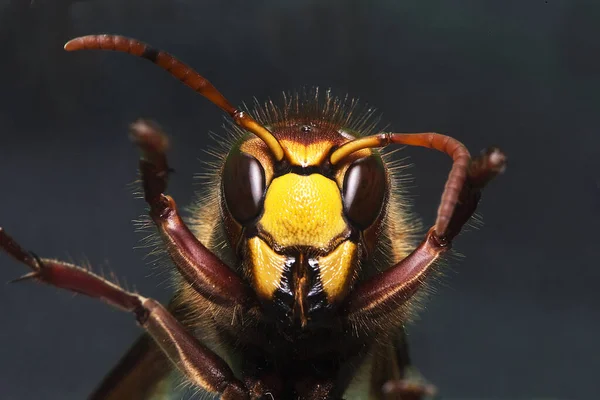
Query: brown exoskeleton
{"x": 280, "y": 293}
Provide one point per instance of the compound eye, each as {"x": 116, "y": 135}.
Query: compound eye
{"x": 365, "y": 185}
{"x": 243, "y": 186}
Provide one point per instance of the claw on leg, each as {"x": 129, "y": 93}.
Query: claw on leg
{"x": 37, "y": 269}
{"x": 26, "y": 277}
{"x": 68, "y": 276}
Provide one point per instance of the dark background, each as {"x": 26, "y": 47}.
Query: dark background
{"x": 517, "y": 318}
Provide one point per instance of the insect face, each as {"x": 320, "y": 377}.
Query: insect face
{"x": 278, "y": 273}
{"x": 299, "y": 224}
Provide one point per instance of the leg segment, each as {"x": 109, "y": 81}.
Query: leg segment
{"x": 410, "y": 385}
{"x": 384, "y": 292}
{"x": 408, "y": 390}
{"x": 204, "y": 271}
{"x": 200, "y": 365}
{"x": 481, "y": 170}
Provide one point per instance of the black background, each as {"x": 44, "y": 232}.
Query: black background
{"x": 516, "y": 318}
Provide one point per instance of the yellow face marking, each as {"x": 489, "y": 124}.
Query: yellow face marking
{"x": 303, "y": 210}
{"x": 306, "y": 155}
{"x": 336, "y": 269}
{"x": 267, "y": 267}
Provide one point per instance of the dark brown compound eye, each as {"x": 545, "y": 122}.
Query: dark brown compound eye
{"x": 365, "y": 185}
{"x": 243, "y": 186}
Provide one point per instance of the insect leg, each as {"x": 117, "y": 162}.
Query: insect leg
{"x": 203, "y": 270}
{"x": 407, "y": 390}
{"x": 481, "y": 170}
{"x": 409, "y": 384}
{"x": 385, "y": 292}
{"x": 199, "y": 364}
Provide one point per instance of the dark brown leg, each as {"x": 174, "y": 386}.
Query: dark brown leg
{"x": 481, "y": 170}
{"x": 410, "y": 385}
{"x": 204, "y": 271}
{"x": 201, "y": 366}
{"x": 386, "y": 291}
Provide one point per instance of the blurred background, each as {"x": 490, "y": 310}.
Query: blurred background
{"x": 517, "y": 318}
